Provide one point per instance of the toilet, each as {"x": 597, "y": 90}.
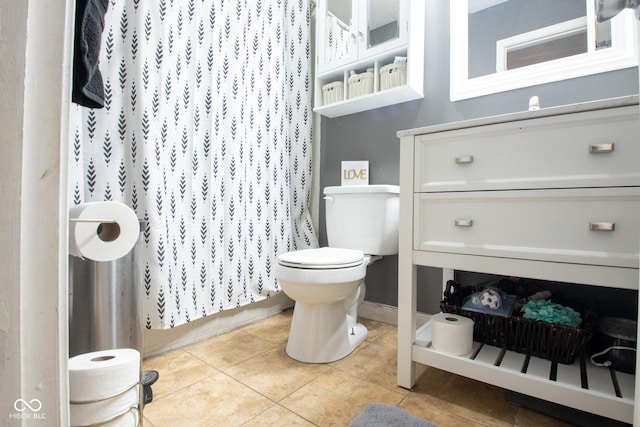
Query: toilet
{"x": 327, "y": 284}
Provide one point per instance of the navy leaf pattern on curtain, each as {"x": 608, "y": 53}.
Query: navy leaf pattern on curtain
{"x": 206, "y": 134}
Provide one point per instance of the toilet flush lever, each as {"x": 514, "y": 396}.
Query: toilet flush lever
{"x": 328, "y": 198}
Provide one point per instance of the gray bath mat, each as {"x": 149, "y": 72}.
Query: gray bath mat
{"x": 383, "y": 415}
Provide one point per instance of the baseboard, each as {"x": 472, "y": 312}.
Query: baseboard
{"x": 159, "y": 341}
{"x": 386, "y": 313}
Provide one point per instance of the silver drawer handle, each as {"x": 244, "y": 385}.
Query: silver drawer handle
{"x": 464, "y": 160}
{"x": 463, "y": 222}
{"x": 601, "y": 148}
{"x": 602, "y": 226}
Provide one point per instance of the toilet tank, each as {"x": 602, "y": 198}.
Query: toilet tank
{"x": 363, "y": 217}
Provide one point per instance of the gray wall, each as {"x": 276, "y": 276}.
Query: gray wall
{"x": 371, "y": 135}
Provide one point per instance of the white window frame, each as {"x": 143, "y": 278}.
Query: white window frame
{"x": 541, "y": 35}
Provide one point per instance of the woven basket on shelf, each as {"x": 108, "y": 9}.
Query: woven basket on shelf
{"x": 360, "y": 84}
{"x": 550, "y": 341}
{"x": 332, "y": 92}
{"x": 393, "y": 75}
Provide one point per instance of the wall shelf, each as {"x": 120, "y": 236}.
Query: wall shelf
{"x": 362, "y": 57}
{"x": 379, "y": 99}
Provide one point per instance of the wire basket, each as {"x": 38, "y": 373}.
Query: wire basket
{"x": 558, "y": 343}
{"x": 393, "y": 75}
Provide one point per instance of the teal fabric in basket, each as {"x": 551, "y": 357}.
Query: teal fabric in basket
{"x": 383, "y": 415}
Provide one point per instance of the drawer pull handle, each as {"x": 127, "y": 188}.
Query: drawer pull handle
{"x": 463, "y": 222}
{"x": 601, "y": 148}
{"x": 464, "y": 160}
{"x": 602, "y": 226}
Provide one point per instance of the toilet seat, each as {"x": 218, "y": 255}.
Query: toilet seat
{"x": 322, "y": 258}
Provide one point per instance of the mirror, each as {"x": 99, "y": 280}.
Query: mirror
{"x": 338, "y": 30}
{"x": 383, "y": 17}
{"x": 499, "y": 45}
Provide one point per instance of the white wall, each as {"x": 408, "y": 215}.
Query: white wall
{"x": 34, "y": 55}
{"x": 12, "y": 38}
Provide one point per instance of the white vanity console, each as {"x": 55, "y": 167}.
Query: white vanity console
{"x": 552, "y": 194}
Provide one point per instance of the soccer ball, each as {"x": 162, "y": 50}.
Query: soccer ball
{"x": 491, "y": 299}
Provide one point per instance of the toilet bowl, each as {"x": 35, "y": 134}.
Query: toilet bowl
{"x": 324, "y": 293}
{"x": 327, "y": 284}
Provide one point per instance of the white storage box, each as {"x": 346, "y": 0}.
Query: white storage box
{"x": 332, "y": 92}
{"x": 393, "y": 75}
{"x": 360, "y": 84}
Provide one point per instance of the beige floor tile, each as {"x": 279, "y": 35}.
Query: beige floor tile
{"x": 218, "y": 400}
{"x": 177, "y": 369}
{"x": 527, "y": 418}
{"x": 350, "y": 355}
{"x": 224, "y": 351}
{"x": 374, "y": 363}
{"x": 437, "y": 415}
{"x": 274, "y": 374}
{"x": 377, "y": 362}
{"x": 389, "y": 339}
{"x": 375, "y": 328}
{"x": 256, "y": 372}
{"x": 274, "y": 329}
{"x": 335, "y": 398}
{"x": 277, "y": 416}
{"x": 474, "y": 400}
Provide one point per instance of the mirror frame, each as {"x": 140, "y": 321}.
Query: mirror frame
{"x": 622, "y": 54}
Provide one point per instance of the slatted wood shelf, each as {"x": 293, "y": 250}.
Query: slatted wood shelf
{"x": 580, "y": 385}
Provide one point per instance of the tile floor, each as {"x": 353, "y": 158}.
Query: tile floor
{"x": 245, "y": 378}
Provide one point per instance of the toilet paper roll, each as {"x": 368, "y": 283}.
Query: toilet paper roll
{"x": 452, "y": 334}
{"x": 108, "y": 410}
{"x": 98, "y": 240}
{"x": 102, "y": 374}
{"x": 129, "y": 419}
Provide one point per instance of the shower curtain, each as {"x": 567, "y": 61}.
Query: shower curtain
{"x": 206, "y": 134}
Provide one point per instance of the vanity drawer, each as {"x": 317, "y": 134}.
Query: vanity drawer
{"x": 591, "y": 149}
{"x": 585, "y": 226}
